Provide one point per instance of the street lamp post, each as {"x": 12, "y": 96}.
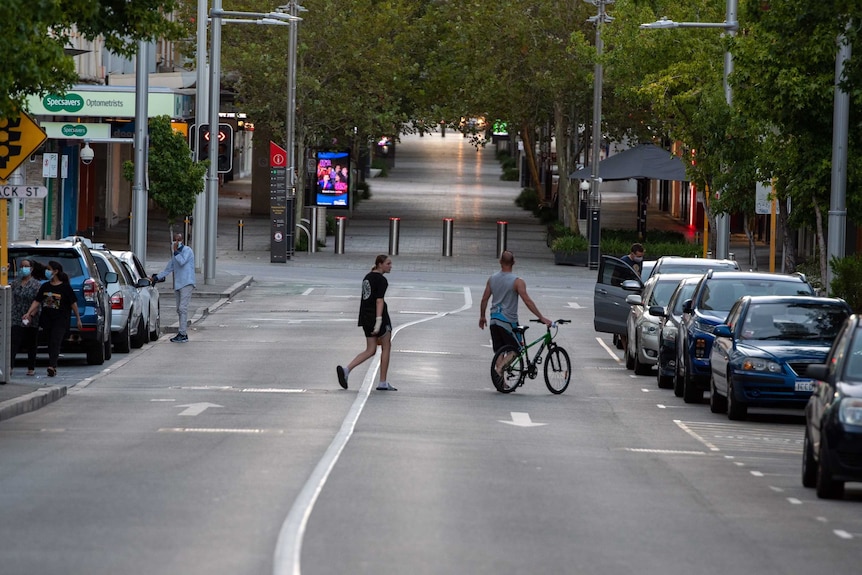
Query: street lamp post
{"x": 595, "y": 199}
{"x": 219, "y": 16}
{"x": 730, "y": 26}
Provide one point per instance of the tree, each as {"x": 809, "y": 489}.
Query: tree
{"x": 36, "y": 33}
{"x": 175, "y": 179}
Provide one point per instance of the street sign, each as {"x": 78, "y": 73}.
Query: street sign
{"x": 23, "y": 192}
{"x": 18, "y": 139}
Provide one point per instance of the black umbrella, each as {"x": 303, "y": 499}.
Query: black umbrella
{"x": 646, "y": 161}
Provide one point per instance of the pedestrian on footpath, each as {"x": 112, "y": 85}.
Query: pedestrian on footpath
{"x": 24, "y": 334}
{"x": 57, "y": 300}
{"x": 182, "y": 265}
{"x": 505, "y": 287}
{"x": 374, "y": 321}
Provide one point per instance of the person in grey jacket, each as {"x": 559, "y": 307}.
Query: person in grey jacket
{"x": 182, "y": 265}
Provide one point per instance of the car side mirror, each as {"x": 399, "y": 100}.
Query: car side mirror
{"x": 143, "y": 282}
{"x": 634, "y": 299}
{"x": 111, "y": 277}
{"x": 819, "y": 371}
{"x": 687, "y": 307}
{"x": 657, "y": 311}
{"x": 632, "y": 285}
{"x": 722, "y": 330}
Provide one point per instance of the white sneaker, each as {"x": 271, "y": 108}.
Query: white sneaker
{"x": 384, "y": 386}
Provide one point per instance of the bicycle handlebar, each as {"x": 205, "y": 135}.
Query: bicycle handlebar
{"x": 553, "y": 323}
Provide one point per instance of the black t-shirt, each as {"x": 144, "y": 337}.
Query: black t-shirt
{"x": 373, "y": 288}
{"x": 56, "y": 300}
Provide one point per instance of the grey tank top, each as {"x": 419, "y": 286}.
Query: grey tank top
{"x": 504, "y": 304}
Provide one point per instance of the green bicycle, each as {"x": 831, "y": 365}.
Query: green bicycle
{"x": 512, "y": 364}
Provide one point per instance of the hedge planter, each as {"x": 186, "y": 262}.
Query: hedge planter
{"x": 571, "y": 258}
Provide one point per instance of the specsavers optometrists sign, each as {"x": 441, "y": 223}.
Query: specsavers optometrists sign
{"x": 76, "y": 130}
{"x": 100, "y": 103}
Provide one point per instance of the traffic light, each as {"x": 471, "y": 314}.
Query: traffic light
{"x": 225, "y": 146}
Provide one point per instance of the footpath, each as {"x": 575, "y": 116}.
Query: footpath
{"x": 435, "y": 178}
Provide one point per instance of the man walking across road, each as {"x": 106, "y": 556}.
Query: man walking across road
{"x": 506, "y": 288}
{"x": 182, "y": 265}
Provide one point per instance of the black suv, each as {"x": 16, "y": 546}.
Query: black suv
{"x": 94, "y": 303}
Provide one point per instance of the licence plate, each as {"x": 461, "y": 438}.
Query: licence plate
{"x": 804, "y": 386}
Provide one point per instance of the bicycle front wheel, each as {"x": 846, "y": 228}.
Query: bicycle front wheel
{"x": 558, "y": 370}
{"x": 507, "y": 369}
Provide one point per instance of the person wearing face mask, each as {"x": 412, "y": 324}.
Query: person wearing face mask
{"x": 57, "y": 300}
{"x": 635, "y": 257}
{"x": 24, "y": 330}
{"x": 182, "y": 265}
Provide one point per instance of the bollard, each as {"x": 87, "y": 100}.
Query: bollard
{"x": 312, "y": 230}
{"x": 731, "y": 256}
{"x": 394, "y": 224}
{"x": 447, "y": 237}
{"x": 709, "y": 254}
{"x": 187, "y": 224}
{"x": 340, "y": 225}
{"x": 501, "y": 237}
{"x": 239, "y": 237}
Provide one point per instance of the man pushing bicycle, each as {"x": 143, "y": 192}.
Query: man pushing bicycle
{"x": 506, "y": 288}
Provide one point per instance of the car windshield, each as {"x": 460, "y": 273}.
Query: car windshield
{"x": 685, "y": 292}
{"x": 786, "y": 320}
{"x": 662, "y": 292}
{"x": 670, "y": 266}
{"x": 719, "y": 294}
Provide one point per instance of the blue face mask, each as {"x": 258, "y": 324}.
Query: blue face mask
{"x": 48, "y": 274}
{"x": 25, "y": 272}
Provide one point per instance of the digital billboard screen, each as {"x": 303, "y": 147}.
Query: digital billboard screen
{"x": 333, "y": 184}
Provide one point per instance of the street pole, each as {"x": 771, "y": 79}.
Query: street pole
{"x": 837, "y": 221}
{"x": 139, "y": 191}
{"x": 730, "y": 27}
{"x": 595, "y": 200}
{"x": 291, "y": 102}
{"x": 201, "y": 114}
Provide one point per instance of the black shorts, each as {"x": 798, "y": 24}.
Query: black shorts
{"x": 500, "y": 337}
{"x": 368, "y": 328}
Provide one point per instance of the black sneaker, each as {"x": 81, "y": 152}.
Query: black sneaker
{"x": 342, "y": 381}
{"x": 180, "y": 338}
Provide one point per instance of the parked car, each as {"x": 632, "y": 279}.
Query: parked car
{"x": 832, "y": 449}
{"x": 94, "y": 304}
{"x": 709, "y": 305}
{"x": 670, "y": 317}
{"x": 760, "y": 355}
{"x": 127, "y": 325}
{"x": 643, "y": 325}
{"x": 150, "y": 307}
{"x": 617, "y": 280}
{"x": 683, "y": 265}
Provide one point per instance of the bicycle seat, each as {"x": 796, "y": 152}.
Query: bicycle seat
{"x": 520, "y": 329}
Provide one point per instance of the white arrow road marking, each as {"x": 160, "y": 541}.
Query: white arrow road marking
{"x": 196, "y": 408}
{"x": 575, "y": 305}
{"x": 521, "y": 419}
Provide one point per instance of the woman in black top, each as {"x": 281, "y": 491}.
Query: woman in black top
{"x": 375, "y": 323}
{"x": 58, "y": 300}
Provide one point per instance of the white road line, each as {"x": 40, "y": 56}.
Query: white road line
{"x": 308, "y": 291}
{"x": 842, "y": 534}
{"x": 288, "y": 547}
{"x": 685, "y": 428}
{"x": 794, "y": 501}
{"x": 611, "y": 352}
{"x": 756, "y": 473}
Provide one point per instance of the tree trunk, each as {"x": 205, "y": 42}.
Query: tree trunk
{"x": 530, "y": 150}
{"x": 566, "y": 192}
{"x": 821, "y": 243}
{"x": 752, "y": 249}
{"x": 788, "y": 237}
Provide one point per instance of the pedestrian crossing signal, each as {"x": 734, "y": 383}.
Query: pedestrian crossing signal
{"x": 225, "y": 146}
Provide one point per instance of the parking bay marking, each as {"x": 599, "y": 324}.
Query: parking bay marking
{"x": 521, "y": 419}
{"x": 193, "y": 409}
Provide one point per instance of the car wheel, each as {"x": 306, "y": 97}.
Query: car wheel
{"x": 95, "y": 353}
{"x": 690, "y": 392}
{"x": 827, "y": 487}
{"x": 717, "y": 403}
{"x": 123, "y": 341}
{"x": 663, "y": 381}
{"x": 157, "y": 328}
{"x": 630, "y": 361}
{"x": 809, "y": 464}
{"x": 141, "y": 337}
{"x": 736, "y": 410}
{"x": 678, "y": 378}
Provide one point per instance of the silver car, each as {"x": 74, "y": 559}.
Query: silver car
{"x": 151, "y": 308}
{"x": 642, "y": 327}
{"x": 127, "y": 326}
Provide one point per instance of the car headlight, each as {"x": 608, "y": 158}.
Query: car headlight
{"x": 649, "y": 328}
{"x": 760, "y": 364}
{"x": 850, "y": 411}
{"x": 704, "y": 326}
{"x": 668, "y": 334}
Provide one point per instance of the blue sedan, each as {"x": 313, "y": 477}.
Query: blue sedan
{"x": 761, "y": 354}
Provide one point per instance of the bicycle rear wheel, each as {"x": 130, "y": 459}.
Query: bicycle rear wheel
{"x": 507, "y": 369}
{"x": 558, "y": 370}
